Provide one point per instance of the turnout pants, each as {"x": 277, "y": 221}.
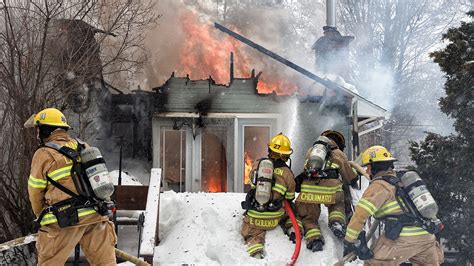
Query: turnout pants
{"x": 254, "y": 236}
{"x": 309, "y": 214}
{"x": 97, "y": 240}
{"x": 419, "y": 250}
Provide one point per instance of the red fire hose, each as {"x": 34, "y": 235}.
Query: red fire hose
{"x": 296, "y": 252}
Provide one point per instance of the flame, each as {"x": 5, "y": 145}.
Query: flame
{"x": 214, "y": 184}
{"x": 280, "y": 86}
{"x": 247, "y": 168}
{"x": 206, "y": 52}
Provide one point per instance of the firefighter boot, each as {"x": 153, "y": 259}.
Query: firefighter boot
{"x": 338, "y": 229}
{"x": 258, "y": 255}
{"x": 315, "y": 245}
{"x": 290, "y": 232}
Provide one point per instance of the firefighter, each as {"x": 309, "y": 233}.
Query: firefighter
{"x": 409, "y": 242}
{"x": 320, "y": 183}
{"x": 94, "y": 232}
{"x": 272, "y": 182}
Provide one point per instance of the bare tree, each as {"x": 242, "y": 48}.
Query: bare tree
{"x": 56, "y": 53}
{"x": 393, "y": 40}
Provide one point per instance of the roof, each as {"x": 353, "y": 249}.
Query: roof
{"x": 373, "y": 111}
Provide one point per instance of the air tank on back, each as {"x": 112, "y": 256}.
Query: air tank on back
{"x": 419, "y": 194}
{"x": 263, "y": 182}
{"x": 97, "y": 173}
{"x": 316, "y": 157}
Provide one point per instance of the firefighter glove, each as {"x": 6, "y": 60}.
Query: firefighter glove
{"x": 355, "y": 182}
{"x": 363, "y": 251}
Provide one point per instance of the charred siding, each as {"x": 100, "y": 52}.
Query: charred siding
{"x": 203, "y": 96}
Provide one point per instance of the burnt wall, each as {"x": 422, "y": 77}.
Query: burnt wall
{"x": 130, "y": 119}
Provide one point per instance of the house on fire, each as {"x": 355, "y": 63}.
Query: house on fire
{"x": 205, "y": 136}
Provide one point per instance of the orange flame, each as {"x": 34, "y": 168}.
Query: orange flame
{"x": 280, "y": 86}
{"x": 206, "y": 53}
{"x": 213, "y": 184}
{"x": 248, "y": 167}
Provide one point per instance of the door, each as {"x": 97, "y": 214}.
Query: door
{"x": 214, "y": 159}
{"x": 173, "y": 157}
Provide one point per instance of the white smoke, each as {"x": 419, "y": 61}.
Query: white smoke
{"x": 377, "y": 85}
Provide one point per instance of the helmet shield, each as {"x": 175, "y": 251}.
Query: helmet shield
{"x": 30, "y": 122}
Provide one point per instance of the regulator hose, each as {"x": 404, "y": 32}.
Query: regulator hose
{"x": 296, "y": 252}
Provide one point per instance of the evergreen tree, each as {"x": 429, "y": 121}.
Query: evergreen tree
{"x": 447, "y": 161}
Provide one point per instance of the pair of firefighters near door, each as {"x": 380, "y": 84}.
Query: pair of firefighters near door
{"x": 315, "y": 188}
{"x": 322, "y": 187}
{"x": 93, "y": 231}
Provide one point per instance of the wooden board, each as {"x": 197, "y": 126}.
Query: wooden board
{"x": 152, "y": 214}
{"x": 131, "y": 197}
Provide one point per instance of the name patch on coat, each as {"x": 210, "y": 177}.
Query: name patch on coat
{"x": 264, "y": 223}
{"x": 317, "y": 198}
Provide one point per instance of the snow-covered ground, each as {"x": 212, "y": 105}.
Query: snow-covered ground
{"x": 204, "y": 229}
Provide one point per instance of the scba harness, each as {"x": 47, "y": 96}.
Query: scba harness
{"x": 67, "y": 212}
{"x": 411, "y": 215}
{"x": 264, "y": 178}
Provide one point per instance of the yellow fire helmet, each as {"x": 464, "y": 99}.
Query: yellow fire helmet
{"x": 48, "y": 116}
{"x": 280, "y": 144}
{"x": 376, "y": 154}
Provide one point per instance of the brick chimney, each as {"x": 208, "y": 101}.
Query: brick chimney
{"x": 332, "y": 49}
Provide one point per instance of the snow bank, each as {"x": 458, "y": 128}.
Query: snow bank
{"x": 204, "y": 228}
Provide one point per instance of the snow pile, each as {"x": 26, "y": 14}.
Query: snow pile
{"x": 204, "y": 228}
{"x": 126, "y": 179}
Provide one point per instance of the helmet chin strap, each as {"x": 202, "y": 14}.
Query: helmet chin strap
{"x": 272, "y": 155}
{"x": 275, "y": 156}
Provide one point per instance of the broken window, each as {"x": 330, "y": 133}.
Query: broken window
{"x": 173, "y": 157}
{"x": 255, "y": 147}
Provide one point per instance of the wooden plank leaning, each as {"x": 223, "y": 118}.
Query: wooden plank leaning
{"x": 150, "y": 237}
